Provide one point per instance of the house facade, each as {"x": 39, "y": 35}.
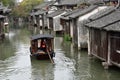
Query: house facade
{"x": 104, "y": 37}
{"x": 53, "y": 20}
{"x": 73, "y": 23}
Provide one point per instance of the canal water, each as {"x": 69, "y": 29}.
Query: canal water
{"x": 70, "y": 64}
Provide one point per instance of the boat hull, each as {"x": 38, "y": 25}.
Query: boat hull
{"x": 42, "y": 56}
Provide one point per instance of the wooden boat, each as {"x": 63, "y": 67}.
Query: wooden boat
{"x": 42, "y": 46}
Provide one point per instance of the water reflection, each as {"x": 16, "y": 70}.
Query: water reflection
{"x": 42, "y": 70}
{"x": 17, "y": 63}
{"x": 64, "y": 66}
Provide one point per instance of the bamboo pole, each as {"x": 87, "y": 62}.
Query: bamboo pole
{"x": 52, "y": 61}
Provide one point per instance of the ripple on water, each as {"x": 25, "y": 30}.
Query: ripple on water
{"x": 64, "y": 66}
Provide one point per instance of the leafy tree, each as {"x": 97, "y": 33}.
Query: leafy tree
{"x": 8, "y": 2}
{"x": 25, "y": 7}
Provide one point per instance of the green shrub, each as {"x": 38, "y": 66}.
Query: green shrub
{"x": 67, "y": 37}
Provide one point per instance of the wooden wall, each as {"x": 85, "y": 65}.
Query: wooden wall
{"x": 98, "y": 43}
{"x": 51, "y": 23}
{"x": 115, "y": 47}
{"x": 66, "y": 26}
{"x": 75, "y": 32}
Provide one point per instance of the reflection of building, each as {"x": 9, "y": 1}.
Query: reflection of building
{"x": 57, "y": 42}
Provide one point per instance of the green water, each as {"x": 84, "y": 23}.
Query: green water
{"x": 70, "y": 64}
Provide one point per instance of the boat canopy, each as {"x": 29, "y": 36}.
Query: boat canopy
{"x": 42, "y": 36}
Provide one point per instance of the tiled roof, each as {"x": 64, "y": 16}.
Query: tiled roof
{"x": 108, "y": 22}
{"x": 44, "y": 5}
{"x": 102, "y": 13}
{"x": 84, "y": 11}
{"x": 55, "y": 13}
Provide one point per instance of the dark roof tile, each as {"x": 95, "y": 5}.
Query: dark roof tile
{"x": 106, "y": 20}
{"x": 102, "y": 13}
{"x": 113, "y": 27}
{"x": 83, "y": 11}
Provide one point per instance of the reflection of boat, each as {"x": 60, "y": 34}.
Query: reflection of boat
{"x": 43, "y": 68}
{"x": 42, "y": 46}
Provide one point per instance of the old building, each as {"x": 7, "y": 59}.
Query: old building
{"x": 67, "y": 23}
{"x": 53, "y": 20}
{"x": 104, "y": 36}
{"x": 65, "y": 4}
{"x": 73, "y": 23}
{"x": 4, "y": 12}
{"x": 38, "y": 18}
{"x": 38, "y": 15}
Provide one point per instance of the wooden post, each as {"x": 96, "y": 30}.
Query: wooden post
{"x": 89, "y": 43}
{"x": 43, "y": 26}
{"x": 109, "y": 53}
{"x": 52, "y": 61}
{"x": 108, "y": 63}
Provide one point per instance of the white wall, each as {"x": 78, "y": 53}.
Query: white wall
{"x": 56, "y": 23}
